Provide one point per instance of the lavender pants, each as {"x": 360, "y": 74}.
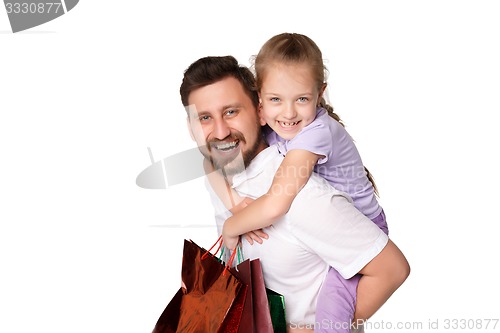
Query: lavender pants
{"x": 337, "y": 298}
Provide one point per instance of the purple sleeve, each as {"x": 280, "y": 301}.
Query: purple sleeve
{"x": 271, "y": 136}
{"x": 316, "y": 138}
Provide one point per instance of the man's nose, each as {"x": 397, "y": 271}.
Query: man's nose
{"x": 221, "y": 129}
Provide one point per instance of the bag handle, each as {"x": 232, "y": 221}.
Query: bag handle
{"x": 219, "y": 241}
{"x": 238, "y": 251}
{"x": 229, "y": 263}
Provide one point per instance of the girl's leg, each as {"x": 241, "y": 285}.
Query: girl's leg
{"x": 337, "y": 298}
{"x": 381, "y": 222}
{"x": 336, "y": 303}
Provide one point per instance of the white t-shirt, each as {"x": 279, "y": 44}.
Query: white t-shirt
{"x": 321, "y": 229}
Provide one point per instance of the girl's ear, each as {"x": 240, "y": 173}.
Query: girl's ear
{"x": 259, "y": 110}
{"x": 261, "y": 119}
{"x": 322, "y": 90}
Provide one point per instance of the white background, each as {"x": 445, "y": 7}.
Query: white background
{"x": 83, "y": 249}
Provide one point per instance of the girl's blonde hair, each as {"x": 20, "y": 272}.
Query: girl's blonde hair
{"x": 293, "y": 48}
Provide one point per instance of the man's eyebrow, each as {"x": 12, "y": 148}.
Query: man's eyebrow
{"x": 196, "y": 113}
{"x": 231, "y": 106}
{"x": 222, "y": 109}
{"x": 201, "y": 113}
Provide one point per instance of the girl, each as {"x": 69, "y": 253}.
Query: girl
{"x": 291, "y": 82}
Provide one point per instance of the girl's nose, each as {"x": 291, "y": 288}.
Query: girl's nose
{"x": 289, "y": 112}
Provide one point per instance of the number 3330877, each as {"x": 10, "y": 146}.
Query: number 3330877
{"x": 32, "y": 8}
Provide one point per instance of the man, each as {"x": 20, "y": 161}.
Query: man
{"x": 322, "y": 227}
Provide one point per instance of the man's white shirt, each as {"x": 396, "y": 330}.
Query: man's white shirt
{"x": 321, "y": 229}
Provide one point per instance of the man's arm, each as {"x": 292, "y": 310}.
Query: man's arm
{"x": 381, "y": 277}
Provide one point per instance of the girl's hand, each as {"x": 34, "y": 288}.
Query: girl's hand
{"x": 240, "y": 206}
{"x": 256, "y": 235}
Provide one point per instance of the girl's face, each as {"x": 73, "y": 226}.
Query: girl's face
{"x": 289, "y": 97}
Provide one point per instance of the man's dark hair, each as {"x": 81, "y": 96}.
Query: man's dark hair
{"x": 208, "y": 70}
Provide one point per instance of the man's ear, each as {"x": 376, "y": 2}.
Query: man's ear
{"x": 190, "y": 129}
{"x": 191, "y": 112}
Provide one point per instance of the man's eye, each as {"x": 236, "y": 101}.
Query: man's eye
{"x": 230, "y": 112}
{"x": 204, "y": 118}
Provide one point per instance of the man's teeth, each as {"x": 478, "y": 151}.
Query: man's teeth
{"x": 288, "y": 124}
{"x": 226, "y": 145}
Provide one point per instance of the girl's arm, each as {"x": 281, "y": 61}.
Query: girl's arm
{"x": 381, "y": 277}
{"x": 291, "y": 176}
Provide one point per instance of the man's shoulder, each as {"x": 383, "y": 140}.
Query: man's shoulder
{"x": 318, "y": 187}
{"x": 269, "y": 161}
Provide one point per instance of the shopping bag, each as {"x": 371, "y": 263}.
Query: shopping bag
{"x": 268, "y": 308}
{"x": 243, "y": 272}
{"x": 277, "y": 310}
{"x": 256, "y": 314}
{"x": 268, "y": 305}
{"x": 205, "y": 301}
{"x": 261, "y": 311}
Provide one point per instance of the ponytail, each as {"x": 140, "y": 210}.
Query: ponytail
{"x": 372, "y": 180}
{"x": 329, "y": 109}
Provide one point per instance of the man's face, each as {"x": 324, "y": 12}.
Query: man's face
{"x": 224, "y": 123}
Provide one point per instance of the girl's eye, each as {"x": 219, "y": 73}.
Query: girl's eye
{"x": 274, "y": 99}
{"x": 303, "y": 99}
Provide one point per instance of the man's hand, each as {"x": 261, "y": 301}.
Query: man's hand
{"x": 230, "y": 242}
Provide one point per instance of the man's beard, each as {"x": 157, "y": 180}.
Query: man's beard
{"x": 235, "y": 164}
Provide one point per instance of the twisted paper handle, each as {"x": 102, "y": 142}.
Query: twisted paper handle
{"x": 219, "y": 241}
{"x": 231, "y": 259}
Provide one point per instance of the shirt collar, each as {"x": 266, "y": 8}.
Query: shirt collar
{"x": 320, "y": 111}
{"x": 257, "y": 165}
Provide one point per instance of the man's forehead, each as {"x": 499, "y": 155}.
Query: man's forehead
{"x": 218, "y": 96}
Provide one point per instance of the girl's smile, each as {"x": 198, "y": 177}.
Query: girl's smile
{"x": 289, "y": 98}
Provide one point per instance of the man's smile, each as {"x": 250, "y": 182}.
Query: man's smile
{"x": 225, "y": 146}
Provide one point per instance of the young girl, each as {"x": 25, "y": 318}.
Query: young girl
{"x": 291, "y": 81}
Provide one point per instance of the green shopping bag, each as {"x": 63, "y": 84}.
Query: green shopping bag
{"x": 277, "y": 309}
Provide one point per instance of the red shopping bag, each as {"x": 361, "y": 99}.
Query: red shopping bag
{"x": 268, "y": 307}
{"x": 256, "y": 316}
{"x": 211, "y": 299}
